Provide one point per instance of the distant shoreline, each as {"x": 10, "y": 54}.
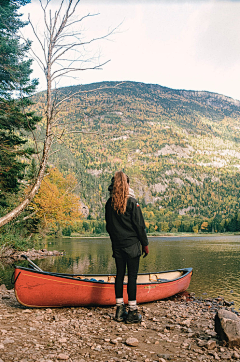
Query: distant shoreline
{"x": 174, "y": 235}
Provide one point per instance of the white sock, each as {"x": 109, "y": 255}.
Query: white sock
{"x": 119, "y": 301}
{"x": 132, "y": 304}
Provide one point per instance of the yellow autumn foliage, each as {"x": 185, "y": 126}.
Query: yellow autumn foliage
{"x": 55, "y": 203}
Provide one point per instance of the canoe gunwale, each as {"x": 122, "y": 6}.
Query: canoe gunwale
{"x": 76, "y": 277}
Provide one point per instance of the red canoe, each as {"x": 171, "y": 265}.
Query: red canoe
{"x": 35, "y": 288}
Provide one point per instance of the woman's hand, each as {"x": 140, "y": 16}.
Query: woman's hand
{"x": 145, "y": 251}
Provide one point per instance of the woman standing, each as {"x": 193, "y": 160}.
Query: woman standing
{"x": 126, "y": 227}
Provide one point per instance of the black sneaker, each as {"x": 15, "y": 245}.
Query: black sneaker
{"x": 133, "y": 317}
{"x": 121, "y": 313}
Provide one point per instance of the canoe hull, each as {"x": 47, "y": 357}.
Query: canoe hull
{"x": 42, "y": 289}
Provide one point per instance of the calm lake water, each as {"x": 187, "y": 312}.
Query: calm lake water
{"x": 215, "y": 261}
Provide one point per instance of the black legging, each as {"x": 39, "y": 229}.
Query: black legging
{"x": 132, "y": 267}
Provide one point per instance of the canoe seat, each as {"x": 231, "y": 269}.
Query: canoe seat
{"x": 153, "y": 277}
{"x": 163, "y": 277}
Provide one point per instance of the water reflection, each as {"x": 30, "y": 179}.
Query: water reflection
{"x": 215, "y": 260}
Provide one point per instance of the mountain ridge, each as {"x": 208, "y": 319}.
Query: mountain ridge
{"x": 184, "y": 92}
{"x": 182, "y": 145}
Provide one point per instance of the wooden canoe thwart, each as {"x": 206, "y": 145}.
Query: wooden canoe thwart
{"x": 34, "y": 288}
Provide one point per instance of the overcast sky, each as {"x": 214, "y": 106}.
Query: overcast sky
{"x": 179, "y": 44}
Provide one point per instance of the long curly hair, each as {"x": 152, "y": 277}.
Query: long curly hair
{"x": 120, "y": 192}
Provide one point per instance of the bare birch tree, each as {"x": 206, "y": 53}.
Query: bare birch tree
{"x": 62, "y": 54}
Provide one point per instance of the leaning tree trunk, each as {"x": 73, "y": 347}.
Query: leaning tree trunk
{"x": 15, "y": 212}
{"x": 46, "y": 150}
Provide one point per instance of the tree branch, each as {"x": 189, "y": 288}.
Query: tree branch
{"x": 27, "y": 217}
{"x": 64, "y": 71}
{"x": 37, "y": 37}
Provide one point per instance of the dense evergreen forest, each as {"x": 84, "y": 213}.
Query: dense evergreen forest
{"x": 180, "y": 149}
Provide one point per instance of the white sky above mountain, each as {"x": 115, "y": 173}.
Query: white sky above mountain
{"x": 193, "y": 45}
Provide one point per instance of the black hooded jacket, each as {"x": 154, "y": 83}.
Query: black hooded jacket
{"x": 125, "y": 229}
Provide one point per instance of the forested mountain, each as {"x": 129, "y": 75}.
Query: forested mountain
{"x": 180, "y": 149}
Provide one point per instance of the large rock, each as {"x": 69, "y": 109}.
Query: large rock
{"x": 227, "y": 326}
{"x": 133, "y": 342}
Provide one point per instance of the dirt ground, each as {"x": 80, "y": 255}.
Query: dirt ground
{"x": 177, "y": 329}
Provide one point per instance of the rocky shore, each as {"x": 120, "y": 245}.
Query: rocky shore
{"x": 177, "y": 329}
{"x": 9, "y": 255}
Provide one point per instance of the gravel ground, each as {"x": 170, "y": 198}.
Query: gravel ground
{"x": 177, "y": 329}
